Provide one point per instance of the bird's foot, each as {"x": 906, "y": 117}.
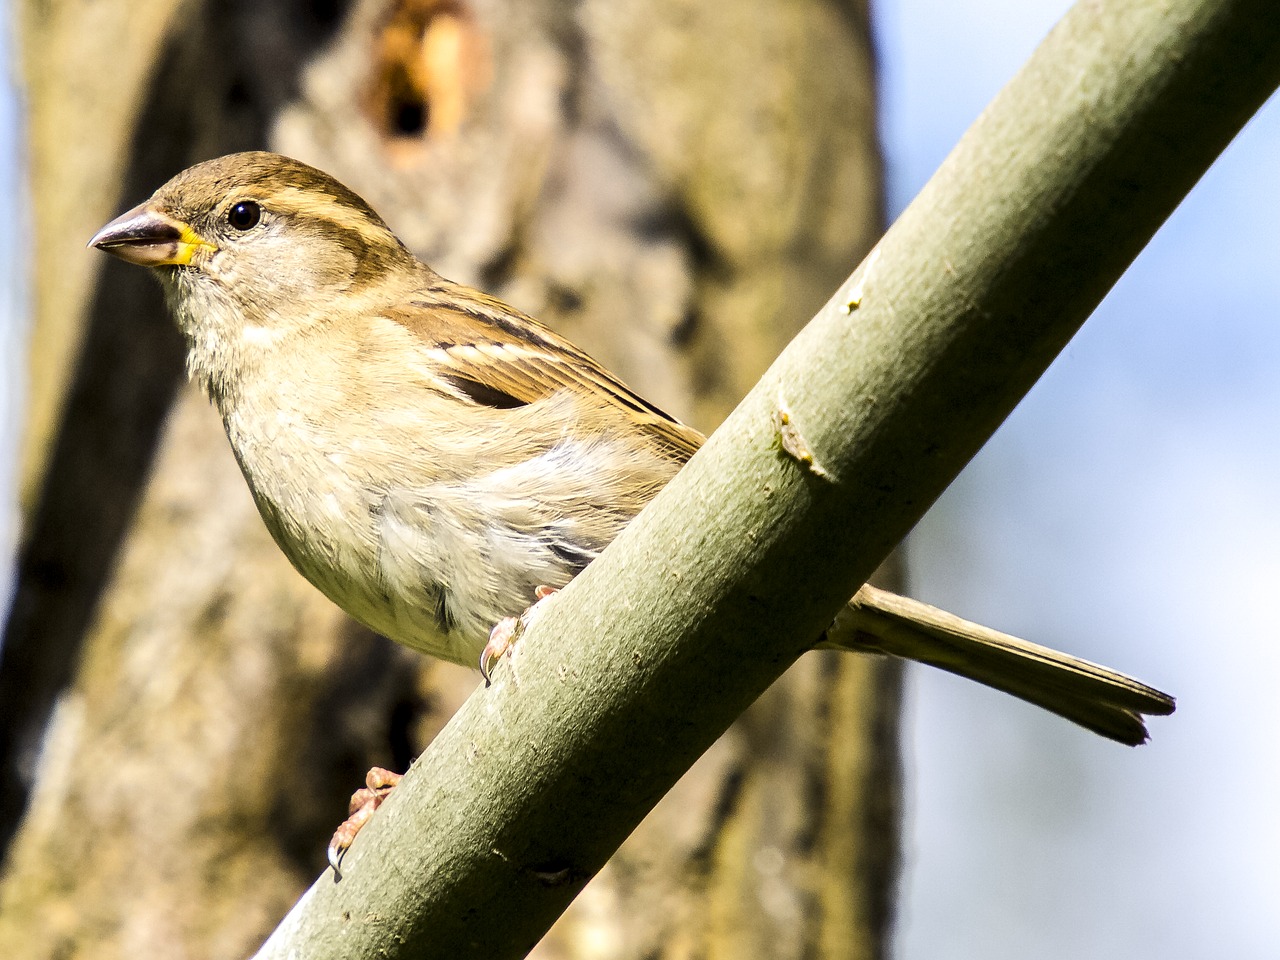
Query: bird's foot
{"x": 378, "y": 784}
{"x": 508, "y": 630}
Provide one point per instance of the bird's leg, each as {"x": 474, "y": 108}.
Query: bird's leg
{"x": 378, "y": 784}
{"x": 505, "y": 633}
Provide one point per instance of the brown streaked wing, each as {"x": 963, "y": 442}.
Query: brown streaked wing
{"x": 502, "y": 358}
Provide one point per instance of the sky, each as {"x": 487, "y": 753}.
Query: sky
{"x": 1125, "y": 512}
{"x": 11, "y": 329}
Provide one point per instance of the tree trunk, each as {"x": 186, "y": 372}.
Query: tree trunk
{"x": 675, "y": 185}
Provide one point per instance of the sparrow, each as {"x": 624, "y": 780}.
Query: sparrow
{"x": 434, "y": 460}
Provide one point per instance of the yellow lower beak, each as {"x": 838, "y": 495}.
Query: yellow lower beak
{"x": 147, "y": 237}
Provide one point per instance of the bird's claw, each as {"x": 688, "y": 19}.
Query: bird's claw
{"x": 378, "y": 784}
{"x": 505, "y": 633}
{"x": 502, "y": 638}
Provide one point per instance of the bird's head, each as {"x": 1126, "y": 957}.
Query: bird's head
{"x": 257, "y": 238}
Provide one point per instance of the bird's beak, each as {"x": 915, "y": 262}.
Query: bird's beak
{"x": 149, "y": 238}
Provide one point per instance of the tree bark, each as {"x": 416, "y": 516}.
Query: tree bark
{"x": 676, "y": 185}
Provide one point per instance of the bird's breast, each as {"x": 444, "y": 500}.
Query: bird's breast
{"x": 427, "y": 529}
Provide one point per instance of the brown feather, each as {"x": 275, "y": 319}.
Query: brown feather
{"x": 480, "y": 340}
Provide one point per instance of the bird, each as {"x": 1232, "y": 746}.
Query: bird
{"x": 433, "y": 460}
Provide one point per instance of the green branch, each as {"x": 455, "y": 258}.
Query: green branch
{"x": 862, "y": 422}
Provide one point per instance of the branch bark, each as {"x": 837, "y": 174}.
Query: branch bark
{"x": 740, "y": 563}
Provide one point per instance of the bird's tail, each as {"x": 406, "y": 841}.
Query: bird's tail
{"x": 1102, "y": 700}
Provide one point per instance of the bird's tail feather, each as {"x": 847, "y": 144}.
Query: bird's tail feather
{"x": 1102, "y": 700}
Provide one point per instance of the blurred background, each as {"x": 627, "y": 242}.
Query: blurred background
{"x": 12, "y": 325}
{"x": 1124, "y": 513}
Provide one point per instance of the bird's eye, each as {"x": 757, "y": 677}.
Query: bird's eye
{"x": 244, "y": 215}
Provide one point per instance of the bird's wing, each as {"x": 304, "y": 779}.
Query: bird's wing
{"x": 496, "y": 356}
